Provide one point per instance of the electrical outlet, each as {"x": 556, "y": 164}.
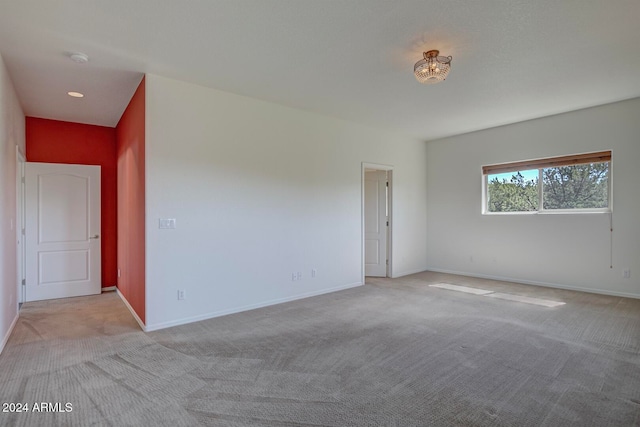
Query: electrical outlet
{"x": 626, "y": 273}
{"x": 299, "y": 275}
{"x": 167, "y": 223}
{"x": 181, "y": 294}
{"x": 294, "y": 277}
{"x": 314, "y": 272}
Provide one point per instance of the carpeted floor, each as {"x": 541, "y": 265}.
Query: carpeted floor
{"x": 392, "y": 353}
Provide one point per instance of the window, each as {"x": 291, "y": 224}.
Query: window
{"x": 579, "y": 182}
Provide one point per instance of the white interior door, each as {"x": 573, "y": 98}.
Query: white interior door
{"x": 20, "y": 161}
{"x": 375, "y": 223}
{"x": 62, "y": 230}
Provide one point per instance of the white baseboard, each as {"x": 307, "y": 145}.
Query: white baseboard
{"x": 133, "y": 312}
{"x": 109, "y": 289}
{"x": 407, "y": 273}
{"x": 8, "y": 334}
{"x": 538, "y": 283}
{"x": 211, "y": 315}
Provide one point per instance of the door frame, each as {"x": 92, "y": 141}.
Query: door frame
{"x": 20, "y": 217}
{"x": 389, "y": 170}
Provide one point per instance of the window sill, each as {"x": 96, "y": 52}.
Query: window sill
{"x": 551, "y": 212}
{"x": 574, "y": 212}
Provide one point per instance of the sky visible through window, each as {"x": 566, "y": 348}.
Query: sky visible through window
{"x": 527, "y": 174}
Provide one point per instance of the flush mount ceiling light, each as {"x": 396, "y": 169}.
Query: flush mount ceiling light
{"x": 433, "y": 68}
{"x": 76, "y": 94}
{"x": 79, "y": 57}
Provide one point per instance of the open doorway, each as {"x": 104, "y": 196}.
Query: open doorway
{"x": 376, "y": 220}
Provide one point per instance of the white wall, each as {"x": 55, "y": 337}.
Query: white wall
{"x": 570, "y": 251}
{"x": 260, "y": 191}
{"x": 11, "y": 134}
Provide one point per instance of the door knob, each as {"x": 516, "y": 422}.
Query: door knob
{"x": 97, "y": 236}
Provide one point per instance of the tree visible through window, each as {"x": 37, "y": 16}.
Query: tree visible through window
{"x": 566, "y": 183}
{"x": 576, "y": 187}
{"x": 514, "y": 195}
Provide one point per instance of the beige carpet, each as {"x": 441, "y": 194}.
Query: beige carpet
{"x": 392, "y": 353}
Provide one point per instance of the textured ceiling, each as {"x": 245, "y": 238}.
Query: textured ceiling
{"x": 512, "y": 59}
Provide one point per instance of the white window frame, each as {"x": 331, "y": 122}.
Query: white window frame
{"x": 541, "y": 209}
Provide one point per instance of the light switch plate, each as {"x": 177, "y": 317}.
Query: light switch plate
{"x": 167, "y": 223}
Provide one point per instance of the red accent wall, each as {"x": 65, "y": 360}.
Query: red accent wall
{"x": 52, "y": 141}
{"x": 130, "y": 141}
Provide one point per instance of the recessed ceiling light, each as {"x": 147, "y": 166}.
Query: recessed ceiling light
{"x": 76, "y": 94}
{"x": 79, "y": 57}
